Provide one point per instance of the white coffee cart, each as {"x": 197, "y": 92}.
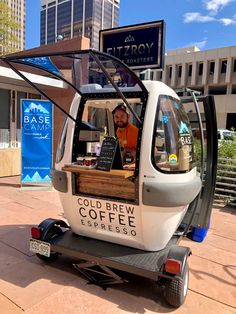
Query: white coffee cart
{"x": 125, "y": 216}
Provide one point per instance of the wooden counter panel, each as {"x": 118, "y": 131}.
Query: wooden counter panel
{"x": 112, "y": 184}
{"x": 105, "y": 186}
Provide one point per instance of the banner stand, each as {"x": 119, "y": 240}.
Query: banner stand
{"x": 36, "y": 186}
{"x": 36, "y": 148}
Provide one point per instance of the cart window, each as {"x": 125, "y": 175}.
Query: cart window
{"x": 97, "y": 123}
{"x": 172, "y": 149}
{"x": 62, "y": 140}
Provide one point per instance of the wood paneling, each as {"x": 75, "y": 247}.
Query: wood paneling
{"x": 112, "y": 184}
{"x": 10, "y": 162}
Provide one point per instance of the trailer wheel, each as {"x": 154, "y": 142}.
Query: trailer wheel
{"x": 176, "y": 290}
{"x": 55, "y": 231}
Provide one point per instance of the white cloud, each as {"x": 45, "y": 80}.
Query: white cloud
{"x": 197, "y": 17}
{"x": 214, "y": 6}
{"x": 227, "y": 21}
{"x": 199, "y": 44}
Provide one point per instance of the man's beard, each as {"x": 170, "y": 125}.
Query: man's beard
{"x": 122, "y": 124}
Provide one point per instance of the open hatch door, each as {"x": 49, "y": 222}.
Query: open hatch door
{"x": 202, "y": 116}
{"x": 83, "y": 72}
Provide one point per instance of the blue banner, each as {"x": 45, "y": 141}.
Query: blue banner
{"x": 44, "y": 63}
{"x": 37, "y": 132}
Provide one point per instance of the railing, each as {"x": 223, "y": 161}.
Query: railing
{"x": 225, "y": 191}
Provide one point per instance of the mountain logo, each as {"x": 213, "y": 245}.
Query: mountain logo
{"x": 183, "y": 128}
{"x": 34, "y": 108}
{"x": 36, "y": 178}
{"x": 129, "y": 39}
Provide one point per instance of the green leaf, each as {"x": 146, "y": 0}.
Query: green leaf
{"x": 8, "y": 28}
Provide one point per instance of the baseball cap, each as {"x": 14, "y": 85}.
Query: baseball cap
{"x": 119, "y": 107}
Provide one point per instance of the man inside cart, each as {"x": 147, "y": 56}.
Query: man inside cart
{"x": 127, "y": 133}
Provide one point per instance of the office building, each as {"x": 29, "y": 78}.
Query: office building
{"x": 66, "y": 19}
{"x": 18, "y": 9}
{"x": 210, "y": 72}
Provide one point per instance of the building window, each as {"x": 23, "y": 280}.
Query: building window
{"x": 233, "y": 89}
{"x": 234, "y": 66}
{"x": 5, "y": 96}
{"x": 212, "y": 67}
{"x": 170, "y": 72}
{"x": 51, "y": 4}
{"x": 190, "y": 69}
{"x": 151, "y": 75}
{"x": 218, "y": 90}
{"x": 200, "y": 69}
{"x": 223, "y": 66}
{"x": 179, "y": 70}
{"x": 231, "y": 121}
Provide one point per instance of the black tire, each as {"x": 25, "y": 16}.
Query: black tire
{"x": 55, "y": 231}
{"x": 176, "y": 290}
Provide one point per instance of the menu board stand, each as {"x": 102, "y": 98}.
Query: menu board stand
{"x": 110, "y": 156}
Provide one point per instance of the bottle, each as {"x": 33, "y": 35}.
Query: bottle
{"x": 98, "y": 149}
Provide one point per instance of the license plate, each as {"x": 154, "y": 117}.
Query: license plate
{"x": 40, "y": 247}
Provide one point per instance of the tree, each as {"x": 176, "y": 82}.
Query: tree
{"x": 8, "y": 29}
{"x": 227, "y": 149}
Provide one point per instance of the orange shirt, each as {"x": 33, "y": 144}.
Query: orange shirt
{"x": 128, "y": 137}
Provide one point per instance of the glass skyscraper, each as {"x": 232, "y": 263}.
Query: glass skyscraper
{"x": 66, "y": 19}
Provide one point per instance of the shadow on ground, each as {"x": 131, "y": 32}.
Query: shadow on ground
{"x": 15, "y": 256}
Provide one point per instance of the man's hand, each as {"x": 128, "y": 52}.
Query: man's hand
{"x": 129, "y": 166}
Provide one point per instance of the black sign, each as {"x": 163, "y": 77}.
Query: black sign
{"x": 110, "y": 156}
{"x": 139, "y": 46}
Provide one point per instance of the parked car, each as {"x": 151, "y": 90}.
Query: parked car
{"x": 226, "y": 135}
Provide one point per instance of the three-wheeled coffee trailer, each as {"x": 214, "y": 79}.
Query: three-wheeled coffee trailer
{"x": 125, "y": 216}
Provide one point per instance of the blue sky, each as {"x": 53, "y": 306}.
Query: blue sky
{"x": 205, "y": 23}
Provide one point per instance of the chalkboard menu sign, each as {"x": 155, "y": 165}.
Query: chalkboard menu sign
{"x": 110, "y": 156}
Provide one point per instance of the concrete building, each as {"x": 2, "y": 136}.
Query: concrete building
{"x": 66, "y": 19}
{"x": 209, "y": 71}
{"x": 18, "y": 9}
